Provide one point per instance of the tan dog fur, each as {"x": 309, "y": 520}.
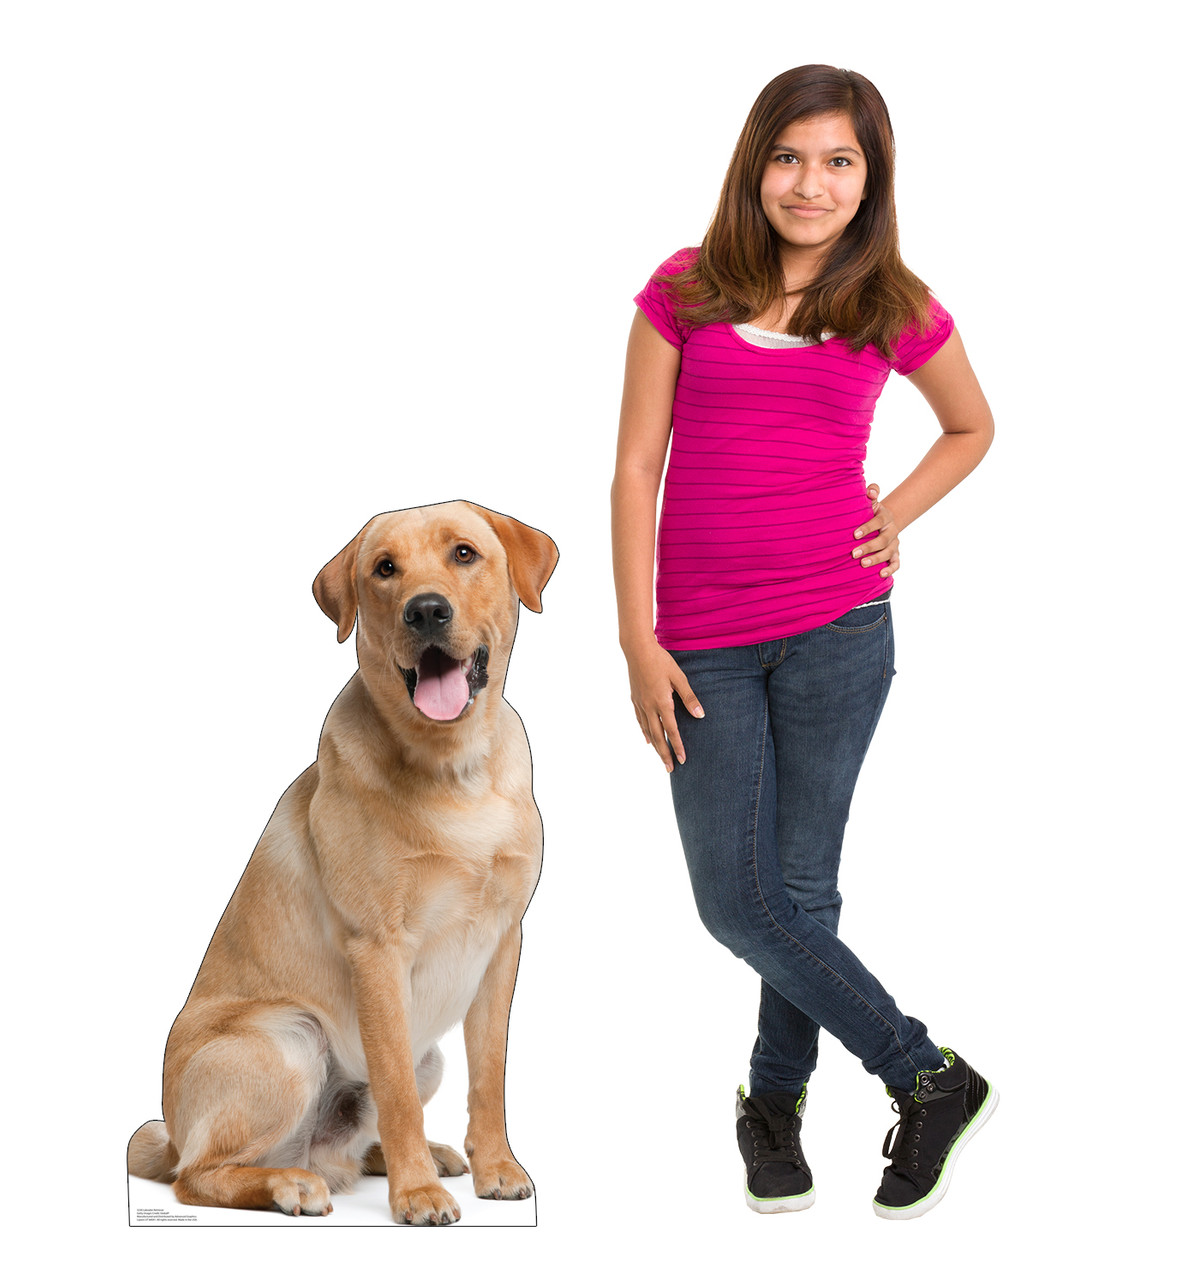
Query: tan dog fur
{"x": 381, "y": 906}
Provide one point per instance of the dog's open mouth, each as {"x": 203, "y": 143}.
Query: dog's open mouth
{"x": 442, "y": 687}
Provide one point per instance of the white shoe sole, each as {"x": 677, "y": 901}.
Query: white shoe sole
{"x": 934, "y": 1197}
{"x": 783, "y": 1204}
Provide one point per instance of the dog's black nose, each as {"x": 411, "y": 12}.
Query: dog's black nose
{"x": 428, "y": 613}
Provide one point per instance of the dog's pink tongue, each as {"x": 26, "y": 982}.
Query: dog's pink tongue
{"x": 441, "y": 689}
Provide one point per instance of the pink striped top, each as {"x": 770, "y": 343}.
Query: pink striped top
{"x": 765, "y": 483}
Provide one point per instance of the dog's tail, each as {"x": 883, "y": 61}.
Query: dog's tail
{"x": 152, "y": 1154}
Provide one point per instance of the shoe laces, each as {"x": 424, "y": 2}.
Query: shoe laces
{"x": 902, "y": 1144}
{"x": 774, "y": 1132}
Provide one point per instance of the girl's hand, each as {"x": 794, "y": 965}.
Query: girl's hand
{"x": 654, "y": 678}
{"x": 884, "y": 548}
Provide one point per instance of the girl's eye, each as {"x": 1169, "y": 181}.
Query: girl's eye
{"x": 464, "y": 554}
{"x": 786, "y": 158}
{"x": 384, "y": 569}
{"x": 840, "y": 161}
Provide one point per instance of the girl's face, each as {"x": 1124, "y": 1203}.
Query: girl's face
{"x": 813, "y": 183}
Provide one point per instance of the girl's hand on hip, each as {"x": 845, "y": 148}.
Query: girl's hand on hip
{"x": 883, "y": 549}
{"x": 654, "y": 679}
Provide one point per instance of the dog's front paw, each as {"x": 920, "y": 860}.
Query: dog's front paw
{"x": 449, "y": 1163}
{"x": 427, "y": 1206}
{"x": 296, "y": 1192}
{"x": 501, "y": 1180}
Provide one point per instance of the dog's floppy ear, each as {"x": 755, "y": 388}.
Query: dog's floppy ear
{"x": 336, "y": 588}
{"x": 531, "y": 555}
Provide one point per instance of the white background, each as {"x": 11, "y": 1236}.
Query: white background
{"x": 272, "y": 268}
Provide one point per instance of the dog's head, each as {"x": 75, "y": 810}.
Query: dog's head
{"x": 435, "y": 592}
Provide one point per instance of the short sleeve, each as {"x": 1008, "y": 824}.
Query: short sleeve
{"x": 656, "y": 304}
{"x": 916, "y": 346}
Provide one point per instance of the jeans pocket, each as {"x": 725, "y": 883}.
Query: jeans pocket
{"x": 865, "y": 618}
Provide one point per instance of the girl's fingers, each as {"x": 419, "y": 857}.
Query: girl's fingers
{"x": 657, "y": 719}
{"x": 689, "y": 700}
{"x": 667, "y": 742}
{"x": 875, "y": 546}
{"x": 660, "y": 731}
{"x": 883, "y": 557}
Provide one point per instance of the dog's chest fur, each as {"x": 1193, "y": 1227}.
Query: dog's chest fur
{"x": 445, "y": 887}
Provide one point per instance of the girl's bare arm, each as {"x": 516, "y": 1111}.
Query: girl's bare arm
{"x": 651, "y": 371}
{"x": 948, "y": 383}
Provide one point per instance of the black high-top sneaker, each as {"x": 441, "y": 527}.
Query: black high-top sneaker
{"x": 946, "y": 1110}
{"x": 777, "y": 1177}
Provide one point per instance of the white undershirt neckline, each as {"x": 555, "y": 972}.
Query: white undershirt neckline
{"x": 770, "y": 338}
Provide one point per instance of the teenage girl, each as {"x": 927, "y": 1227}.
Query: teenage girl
{"x": 759, "y": 357}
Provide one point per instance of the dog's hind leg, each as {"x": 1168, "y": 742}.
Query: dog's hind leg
{"x": 428, "y": 1077}
{"x": 243, "y": 1101}
{"x": 449, "y": 1163}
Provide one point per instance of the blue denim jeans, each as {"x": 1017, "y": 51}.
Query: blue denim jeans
{"x": 761, "y": 804}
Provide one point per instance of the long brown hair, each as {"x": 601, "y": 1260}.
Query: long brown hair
{"x": 862, "y": 290}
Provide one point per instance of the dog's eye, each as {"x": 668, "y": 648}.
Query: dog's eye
{"x": 464, "y": 554}
{"x": 384, "y": 569}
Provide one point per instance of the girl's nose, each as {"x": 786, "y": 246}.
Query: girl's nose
{"x": 807, "y": 184}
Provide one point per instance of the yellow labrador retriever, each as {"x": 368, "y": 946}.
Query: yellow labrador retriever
{"x": 382, "y": 904}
